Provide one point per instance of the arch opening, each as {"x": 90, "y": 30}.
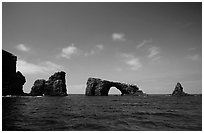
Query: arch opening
{"x": 114, "y": 91}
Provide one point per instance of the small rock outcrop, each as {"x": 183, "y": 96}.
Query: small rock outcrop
{"x": 99, "y": 87}
{"x": 54, "y": 86}
{"x": 12, "y": 81}
{"x": 178, "y": 91}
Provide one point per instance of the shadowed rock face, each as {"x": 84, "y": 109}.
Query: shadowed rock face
{"x": 12, "y": 81}
{"x": 38, "y": 88}
{"x": 178, "y": 91}
{"x": 54, "y": 86}
{"x": 99, "y": 87}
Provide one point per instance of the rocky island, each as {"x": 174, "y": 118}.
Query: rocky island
{"x": 99, "y": 87}
{"x": 178, "y": 91}
{"x": 54, "y": 86}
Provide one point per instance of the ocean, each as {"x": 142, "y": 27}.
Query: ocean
{"x": 77, "y": 112}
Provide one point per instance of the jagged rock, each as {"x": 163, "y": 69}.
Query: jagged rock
{"x": 54, "y": 86}
{"x": 99, "y": 87}
{"x": 178, "y": 91}
{"x": 12, "y": 81}
{"x": 17, "y": 86}
{"x": 38, "y": 88}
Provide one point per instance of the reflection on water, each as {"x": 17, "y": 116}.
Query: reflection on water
{"x": 79, "y": 112}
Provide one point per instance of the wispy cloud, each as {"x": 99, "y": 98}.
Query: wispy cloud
{"x": 23, "y": 47}
{"x": 194, "y": 57}
{"x": 100, "y": 46}
{"x": 132, "y": 61}
{"x": 97, "y": 48}
{"x": 118, "y": 37}
{"x": 153, "y": 51}
{"x": 45, "y": 67}
{"x": 68, "y": 51}
{"x": 143, "y": 43}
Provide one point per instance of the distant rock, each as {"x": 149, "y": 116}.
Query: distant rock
{"x": 99, "y": 87}
{"x": 178, "y": 91}
{"x": 12, "y": 81}
{"x": 54, "y": 86}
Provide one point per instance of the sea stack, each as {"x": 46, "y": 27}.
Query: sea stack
{"x": 54, "y": 86}
{"x": 178, "y": 91}
{"x": 12, "y": 81}
{"x": 99, "y": 87}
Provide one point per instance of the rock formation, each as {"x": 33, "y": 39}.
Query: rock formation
{"x": 38, "y": 88}
{"x": 12, "y": 81}
{"x": 99, "y": 87}
{"x": 54, "y": 86}
{"x": 178, "y": 91}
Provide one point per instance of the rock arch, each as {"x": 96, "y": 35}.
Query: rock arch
{"x": 99, "y": 87}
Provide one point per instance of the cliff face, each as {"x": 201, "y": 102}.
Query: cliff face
{"x": 54, "y": 86}
{"x": 178, "y": 91}
{"x": 99, "y": 87}
{"x": 12, "y": 81}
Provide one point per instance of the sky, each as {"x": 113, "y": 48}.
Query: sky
{"x": 152, "y": 45}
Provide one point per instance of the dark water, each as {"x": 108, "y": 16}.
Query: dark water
{"x": 79, "y": 112}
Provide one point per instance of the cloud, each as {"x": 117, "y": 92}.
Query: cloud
{"x": 143, "y": 43}
{"x": 23, "y": 47}
{"x": 118, "y": 37}
{"x": 194, "y": 57}
{"x": 67, "y": 52}
{"x": 97, "y": 48}
{"x": 43, "y": 68}
{"x": 153, "y": 51}
{"x": 100, "y": 46}
{"x": 132, "y": 61}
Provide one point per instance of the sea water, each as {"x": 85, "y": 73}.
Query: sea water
{"x": 102, "y": 113}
